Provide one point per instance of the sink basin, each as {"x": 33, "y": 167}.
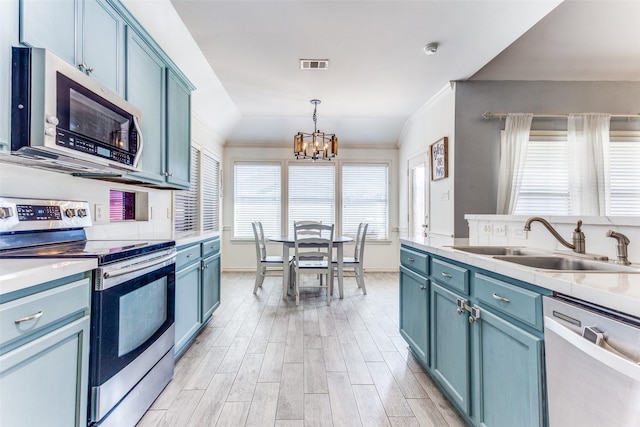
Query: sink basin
{"x": 493, "y": 250}
{"x": 566, "y": 264}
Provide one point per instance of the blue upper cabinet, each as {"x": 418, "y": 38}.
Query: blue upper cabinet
{"x": 178, "y": 131}
{"x": 51, "y": 25}
{"x": 103, "y": 39}
{"x": 146, "y": 90}
{"x": 102, "y": 47}
{"x": 86, "y": 33}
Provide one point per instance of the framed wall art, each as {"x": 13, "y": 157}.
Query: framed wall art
{"x": 439, "y": 160}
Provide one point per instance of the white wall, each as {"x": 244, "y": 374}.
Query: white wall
{"x": 240, "y": 255}
{"x": 214, "y": 114}
{"x": 432, "y": 122}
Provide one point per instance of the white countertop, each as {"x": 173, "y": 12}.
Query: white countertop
{"x": 618, "y": 291}
{"x": 17, "y": 274}
{"x": 187, "y": 238}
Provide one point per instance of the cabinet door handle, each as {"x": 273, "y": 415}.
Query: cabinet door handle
{"x": 500, "y": 298}
{"x": 447, "y": 275}
{"x": 27, "y": 318}
{"x": 422, "y": 287}
{"x": 83, "y": 66}
{"x": 410, "y": 259}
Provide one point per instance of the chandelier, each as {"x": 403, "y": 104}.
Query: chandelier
{"x": 316, "y": 145}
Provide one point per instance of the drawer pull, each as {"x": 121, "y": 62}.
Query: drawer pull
{"x": 410, "y": 259}
{"x": 447, "y": 275}
{"x": 27, "y": 318}
{"x": 189, "y": 256}
{"x": 499, "y": 298}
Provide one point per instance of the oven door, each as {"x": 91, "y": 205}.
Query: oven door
{"x": 132, "y": 317}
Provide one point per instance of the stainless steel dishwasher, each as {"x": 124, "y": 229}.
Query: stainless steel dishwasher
{"x": 592, "y": 358}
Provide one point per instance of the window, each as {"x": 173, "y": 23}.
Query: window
{"x": 186, "y": 201}
{"x": 257, "y": 197}
{"x": 122, "y": 205}
{"x": 210, "y": 193}
{"x": 545, "y": 177}
{"x": 198, "y": 208}
{"x": 624, "y": 176}
{"x": 311, "y": 193}
{"x": 365, "y": 196}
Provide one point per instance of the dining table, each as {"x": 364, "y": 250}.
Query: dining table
{"x": 289, "y": 242}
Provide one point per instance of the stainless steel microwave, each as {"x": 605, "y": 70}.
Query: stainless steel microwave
{"x": 63, "y": 119}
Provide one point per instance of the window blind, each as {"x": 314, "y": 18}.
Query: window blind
{"x": 186, "y": 201}
{"x": 624, "y": 177}
{"x": 311, "y": 193}
{"x": 257, "y": 197}
{"x": 210, "y": 193}
{"x": 545, "y": 179}
{"x": 365, "y": 198}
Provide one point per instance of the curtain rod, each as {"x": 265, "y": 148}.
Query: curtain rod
{"x": 488, "y": 115}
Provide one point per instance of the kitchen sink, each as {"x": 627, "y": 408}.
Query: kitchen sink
{"x": 494, "y": 250}
{"x": 559, "y": 263}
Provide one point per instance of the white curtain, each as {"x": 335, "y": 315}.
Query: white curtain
{"x": 512, "y": 157}
{"x": 588, "y": 137}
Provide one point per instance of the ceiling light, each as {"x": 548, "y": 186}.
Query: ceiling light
{"x": 431, "y": 48}
{"x": 316, "y": 145}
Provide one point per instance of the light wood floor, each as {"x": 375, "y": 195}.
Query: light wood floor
{"x": 262, "y": 361}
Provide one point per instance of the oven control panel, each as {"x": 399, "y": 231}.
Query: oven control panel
{"x": 40, "y": 214}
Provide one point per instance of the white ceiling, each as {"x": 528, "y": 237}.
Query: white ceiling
{"x": 378, "y": 74}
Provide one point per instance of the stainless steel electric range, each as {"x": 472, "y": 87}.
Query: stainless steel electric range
{"x": 132, "y": 302}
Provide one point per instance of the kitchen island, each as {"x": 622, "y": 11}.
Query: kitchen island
{"x": 476, "y": 325}
{"x": 617, "y": 291}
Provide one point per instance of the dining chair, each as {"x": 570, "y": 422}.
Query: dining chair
{"x": 356, "y": 262}
{"x": 313, "y": 254}
{"x": 265, "y": 264}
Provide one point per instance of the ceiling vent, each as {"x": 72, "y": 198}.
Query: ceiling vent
{"x": 314, "y": 64}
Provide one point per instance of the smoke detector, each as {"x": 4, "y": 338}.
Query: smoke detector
{"x": 431, "y": 48}
{"x": 314, "y": 64}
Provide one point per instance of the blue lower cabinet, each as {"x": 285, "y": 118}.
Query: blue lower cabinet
{"x": 197, "y": 289}
{"x": 450, "y": 339}
{"x": 187, "y": 317}
{"x": 509, "y": 363}
{"x": 414, "y": 303}
{"x": 210, "y": 285}
{"x": 479, "y": 336}
{"x": 44, "y": 354}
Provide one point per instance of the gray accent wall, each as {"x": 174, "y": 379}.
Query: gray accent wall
{"x": 477, "y": 150}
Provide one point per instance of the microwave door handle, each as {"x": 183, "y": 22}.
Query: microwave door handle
{"x": 136, "y": 159}
{"x": 137, "y": 267}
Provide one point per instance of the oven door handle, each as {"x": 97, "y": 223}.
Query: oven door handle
{"x": 140, "y": 266}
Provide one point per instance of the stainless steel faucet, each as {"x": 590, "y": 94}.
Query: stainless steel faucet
{"x": 577, "y": 237}
{"x": 621, "y": 247}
